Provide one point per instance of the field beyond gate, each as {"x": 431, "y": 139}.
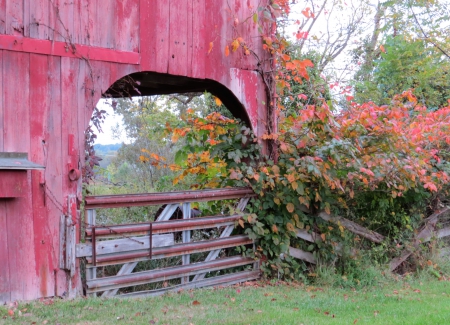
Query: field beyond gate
{"x": 126, "y": 245}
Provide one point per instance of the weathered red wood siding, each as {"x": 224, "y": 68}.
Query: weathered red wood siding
{"x": 56, "y": 59}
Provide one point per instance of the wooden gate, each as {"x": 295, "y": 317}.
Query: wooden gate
{"x": 129, "y": 244}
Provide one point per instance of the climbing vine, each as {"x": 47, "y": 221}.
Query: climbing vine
{"x": 320, "y": 160}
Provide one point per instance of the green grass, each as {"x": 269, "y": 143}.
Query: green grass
{"x": 389, "y": 303}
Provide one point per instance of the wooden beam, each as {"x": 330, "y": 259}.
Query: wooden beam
{"x": 124, "y": 245}
{"x": 353, "y": 227}
{"x": 63, "y": 49}
{"x": 302, "y": 255}
{"x": 424, "y": 235}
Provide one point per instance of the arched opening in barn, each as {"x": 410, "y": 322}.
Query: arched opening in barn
{"x": 149, "y": 104}
{"x": 146, "y": 104}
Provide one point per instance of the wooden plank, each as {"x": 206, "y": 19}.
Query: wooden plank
{"x": 70, "y": 246}
{"x": 154, "y": 38}
{"x": 200, "y": 42}
{"x": 104, "y": 25}
{"x": 14, "y": 17}
{"x": 62, "y": 20}
{"x": 302, "y": 255}
{"x": 441, "y": 233}
{"x": 62, "y": 242}
{"x": 39, "y": 19}
{"x": 5, "y": 295}
{"x": 127, "y": 25}
{"x": 43, "y": 239}
{"x": 312, "y": 237}
{"x": 82, "y": 23}
{"x": 2, "y": 103}
{"x": 69, "y": 103}
{"x": 17, "y": 138}
{"x": 425, "y": 234}
{"x": 20, "y": 44}
{"x": 167, "y": 212}
{"x": 53, "y": 160}
{"x": 178, "y": 37}
{"x": 353, "y": 227}
{"x": 3, "y": 16}
{"x": 124, "y": 245}
{"x": 5, "y": 289}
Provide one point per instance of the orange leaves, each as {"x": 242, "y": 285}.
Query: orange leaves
{"x": 227, "y": 50}
{"x": 218, "y": 101}
{"x": 308, "y": 13}
{"x": 298, "y": 67}
{"x": 211, "y": 45}
{"x": 290, "y": 207}
{"x": 235, "y": 45}
{"x": 382, "y": 49}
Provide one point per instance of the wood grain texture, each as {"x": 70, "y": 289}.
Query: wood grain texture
{"x": 127, "y": 26}
{"x": 178, "y": 37}
{"x": 14, "y": 21}
{"x": 47, "y": 94}
{"x": 44, "y": 250}
{"x": 22, "y": 263}
{"x": 154, "y": 37}
{"x": 2, "y": 16}
{"x": 5, "y": 289}
{"x": 39, "y": 19}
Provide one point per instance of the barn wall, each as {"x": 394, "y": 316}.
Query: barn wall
{"x": 56, "y": 59}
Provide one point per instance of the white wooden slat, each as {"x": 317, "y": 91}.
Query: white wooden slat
{"x": 302, "y": 255}
{"x": 62, "y": 242}
{"x": 167, "y": 212}
{"x": 124, "y": 245}
{"x": 125, "y": 269}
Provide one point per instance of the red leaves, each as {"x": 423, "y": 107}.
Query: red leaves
{"x": 308, "y": 13}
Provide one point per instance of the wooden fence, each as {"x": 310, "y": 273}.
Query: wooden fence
{"x": 433, "y": 227}
{"x": 129, "y": 244}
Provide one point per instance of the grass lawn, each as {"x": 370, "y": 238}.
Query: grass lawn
{"x": 426, "y": 302}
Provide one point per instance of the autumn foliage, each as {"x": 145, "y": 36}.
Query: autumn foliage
{"x": 325, "y": 160}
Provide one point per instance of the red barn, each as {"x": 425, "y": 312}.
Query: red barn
{"x": 57, "y": 59}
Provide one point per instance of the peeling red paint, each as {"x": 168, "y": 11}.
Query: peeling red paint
{"x": 54, "y": 72}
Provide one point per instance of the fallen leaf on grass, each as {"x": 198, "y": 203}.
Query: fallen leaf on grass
{"x": 273, "y": 299}
{"x": 196, "y": 302}
{"x": 417, "y": 290}
{"x": 10, "y": 312}
{"x": 375, "y": 313}
{"x": 296, "y": 309}
{"x": 355, "y": 321}
{"x": 345, "y": 297}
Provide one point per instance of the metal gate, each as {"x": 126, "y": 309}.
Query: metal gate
{"x": 129, "y": 244}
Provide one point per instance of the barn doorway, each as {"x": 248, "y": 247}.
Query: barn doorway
{"x": 139, "y": 226}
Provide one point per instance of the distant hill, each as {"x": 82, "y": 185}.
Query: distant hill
{"x": 107, "y": 152}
